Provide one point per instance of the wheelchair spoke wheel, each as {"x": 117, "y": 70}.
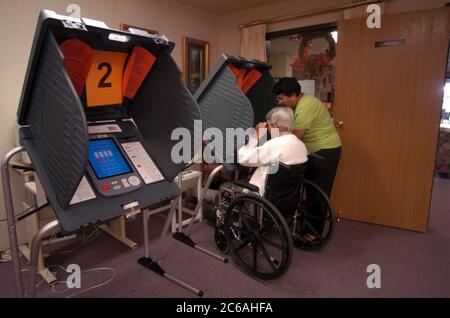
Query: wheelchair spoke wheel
{"x": 258, "y": 237}
{"x": 315, "y": 219}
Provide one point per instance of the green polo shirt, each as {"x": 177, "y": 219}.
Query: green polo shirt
{"x": 311, "y": 114}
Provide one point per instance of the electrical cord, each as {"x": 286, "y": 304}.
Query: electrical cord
{"x": 60, "y": 282}
{"x": 85, "y": 240}
{"x": 90, "y": 288}
{"x": 30, "y": 211}
{"x": 23, "y": 213}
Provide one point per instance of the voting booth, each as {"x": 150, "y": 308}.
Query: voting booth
{"x": 128, "y": 82}
{"x": 236, "y": 94}
{"x": 97, "y": 112}
{"x": 256, "y": 231}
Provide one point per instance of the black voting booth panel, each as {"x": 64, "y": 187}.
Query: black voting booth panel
{"x": 223, "y": 103}
{"x": 55, "y": 119}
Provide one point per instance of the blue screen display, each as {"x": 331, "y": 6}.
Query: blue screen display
{"x": 106, "y": 159}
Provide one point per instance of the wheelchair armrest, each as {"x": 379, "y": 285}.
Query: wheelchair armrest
{"x": 247, "y": 185}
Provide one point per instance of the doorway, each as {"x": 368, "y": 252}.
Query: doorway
{"x": 443, "y": 152}
{"x": 386, "y": 95}
{"x": 309, "y": 55}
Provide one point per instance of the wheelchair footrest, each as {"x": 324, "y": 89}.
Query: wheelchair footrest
{"x": 307, "y": 245}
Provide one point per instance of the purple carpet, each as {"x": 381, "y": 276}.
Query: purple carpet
{"x": 412, "y": 264}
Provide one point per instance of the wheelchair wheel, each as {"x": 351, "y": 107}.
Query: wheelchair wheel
{"x": 315, "y": 217}
{"x": 258, "y": 237}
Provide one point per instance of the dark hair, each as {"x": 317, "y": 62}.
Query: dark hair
{"x": 287, "y": 86}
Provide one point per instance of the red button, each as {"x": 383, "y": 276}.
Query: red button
{"x": 105, "y": 187}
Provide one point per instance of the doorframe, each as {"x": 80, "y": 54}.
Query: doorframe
{"x": 333, "y": 26}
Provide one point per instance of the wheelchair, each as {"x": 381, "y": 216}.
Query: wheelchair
{"x": 260, "y": 232}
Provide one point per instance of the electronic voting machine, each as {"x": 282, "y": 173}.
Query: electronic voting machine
{"x": 97, "y": 112}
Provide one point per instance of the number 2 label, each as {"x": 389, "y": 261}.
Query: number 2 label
{"x": 103, "y": 80}
{"x": 104, "y": 83}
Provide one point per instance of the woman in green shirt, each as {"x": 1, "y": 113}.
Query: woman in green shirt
{"x": 314, "y": 126}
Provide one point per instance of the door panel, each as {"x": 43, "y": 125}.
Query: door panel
{"x": 389, "y": 100}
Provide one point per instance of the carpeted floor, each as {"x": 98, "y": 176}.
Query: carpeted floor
{"x": 412, "y": 264}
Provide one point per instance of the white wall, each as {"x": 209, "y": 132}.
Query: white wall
{"x": 18, "y": 20}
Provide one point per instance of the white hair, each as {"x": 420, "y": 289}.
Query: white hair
{"x": 282, "y": 118}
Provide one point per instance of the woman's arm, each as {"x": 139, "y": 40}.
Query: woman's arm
{"x": 300, "y": 133}
{"x": 251, "y": 155}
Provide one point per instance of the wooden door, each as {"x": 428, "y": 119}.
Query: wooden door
{"x": 389, "y": 100}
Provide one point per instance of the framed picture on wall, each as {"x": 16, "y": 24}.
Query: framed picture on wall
{"x": 125, "y": 27}
{"x": 195, "y": 62}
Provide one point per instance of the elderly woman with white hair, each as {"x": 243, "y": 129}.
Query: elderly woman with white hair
{"x": 283, "y": 146}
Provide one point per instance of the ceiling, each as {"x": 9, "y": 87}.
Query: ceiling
{"x": 223, "y": 7}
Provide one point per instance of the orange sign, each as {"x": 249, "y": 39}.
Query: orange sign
{"x": 78, "y": 58}
{"x": 246, "y": 79}
{"x": 104, "y": 83}
{"x": 139, "y": 65}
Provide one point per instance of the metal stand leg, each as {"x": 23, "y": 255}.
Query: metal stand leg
{"x": 178, "y": 222}
{"x": 9, "y": 208}
{"x": 184, "y": 237}
{"x": 153, "y": 264}
{"x": 35, "y": 248}
{"x": 180, "y": 203}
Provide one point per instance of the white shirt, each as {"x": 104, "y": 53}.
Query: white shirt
{"x": 287, "y": 149}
